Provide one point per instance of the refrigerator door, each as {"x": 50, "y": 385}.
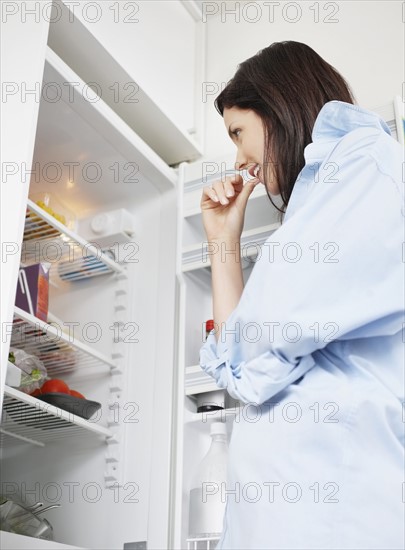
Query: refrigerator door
{"x": 24, "y": 39}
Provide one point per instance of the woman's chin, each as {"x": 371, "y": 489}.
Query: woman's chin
{"x": 274, "y": 191}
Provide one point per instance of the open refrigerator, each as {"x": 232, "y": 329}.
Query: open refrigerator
{"x": 125, "y": 298}
{"x": 124, "y": 319}
{"x": 125, "y": 329}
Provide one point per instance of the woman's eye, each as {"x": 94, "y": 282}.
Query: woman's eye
{"x": 236, "y": 132}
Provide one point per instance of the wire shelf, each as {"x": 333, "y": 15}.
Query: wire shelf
{"x": 60, "y": 352}
{"x": 36, "y": 228}
{"x": 29, "y": 420}
{"x": 71, "y": 257}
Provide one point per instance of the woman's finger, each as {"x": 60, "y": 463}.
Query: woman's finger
{"x": 228, "y": 187}
{"x": 233, "y": 184}
{"x": 210, "y": 193}
{"x": 218, "y": 186}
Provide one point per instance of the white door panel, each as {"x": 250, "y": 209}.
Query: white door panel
{"x": 24, "y": 32}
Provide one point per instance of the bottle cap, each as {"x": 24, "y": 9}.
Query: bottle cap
{"x": 218, "y": 428}
{"x": 209, "y": 325}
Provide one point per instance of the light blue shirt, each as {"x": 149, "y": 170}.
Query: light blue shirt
{"x": 315, "y": 352}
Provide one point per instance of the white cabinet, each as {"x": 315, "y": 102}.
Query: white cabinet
{"x": 141, "y": 57}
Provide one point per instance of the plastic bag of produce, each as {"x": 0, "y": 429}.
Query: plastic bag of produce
{"x": 33, "y": 370}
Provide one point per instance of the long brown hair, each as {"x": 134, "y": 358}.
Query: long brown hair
{"x": 286, "y": 84}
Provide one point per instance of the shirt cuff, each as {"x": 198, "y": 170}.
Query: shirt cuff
{"x": 213, "y": 357}
{"x": 255, "y": 381}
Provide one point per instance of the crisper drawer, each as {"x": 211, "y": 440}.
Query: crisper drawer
{"x": 11, "y": 541}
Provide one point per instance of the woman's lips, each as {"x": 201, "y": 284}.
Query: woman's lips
{"x": 251, "y": 170}
{"x": 255, "y": 172}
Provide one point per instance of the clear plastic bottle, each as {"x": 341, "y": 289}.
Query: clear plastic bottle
{"x": 207, "y": 493}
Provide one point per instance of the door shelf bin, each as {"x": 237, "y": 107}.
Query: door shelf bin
{"x": 197, "y": 381}
{"x": 196, "y": 256}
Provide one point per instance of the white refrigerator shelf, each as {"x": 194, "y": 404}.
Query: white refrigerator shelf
{"x": 197, "y": 381}
{"x": 31, "y": 420}
{"x": 228, "y": 415}
{"x": 72, "y": 257}
{"x": 196, "y": 256}
{"x": 60, "y": 352}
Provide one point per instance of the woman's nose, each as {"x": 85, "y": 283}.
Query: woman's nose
{"x": 240, "y": 162}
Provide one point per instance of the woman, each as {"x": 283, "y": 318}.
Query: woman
{"x": 313, "y": 345}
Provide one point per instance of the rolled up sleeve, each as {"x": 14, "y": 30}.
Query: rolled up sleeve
{"x": 253, "y": 381}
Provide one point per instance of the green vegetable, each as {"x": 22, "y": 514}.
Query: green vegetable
{"x": 11, "y": 357}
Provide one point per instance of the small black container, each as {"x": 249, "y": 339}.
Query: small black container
{"x": 69, "y": 403}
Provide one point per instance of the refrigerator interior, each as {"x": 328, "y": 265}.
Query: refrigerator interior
{"x": 126, "y": 315}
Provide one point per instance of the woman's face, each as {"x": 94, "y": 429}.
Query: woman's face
{"x": 245, "y": 128}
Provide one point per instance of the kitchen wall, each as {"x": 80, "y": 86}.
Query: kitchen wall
{"x": 363, "y": 40}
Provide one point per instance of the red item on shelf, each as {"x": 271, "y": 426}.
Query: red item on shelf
{"x": 55, "y": 385}
{"x": 77, "y": 394}
{"x": 209, "y": 325}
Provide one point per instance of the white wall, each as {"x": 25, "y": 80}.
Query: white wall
{"x": 365, "y": 44}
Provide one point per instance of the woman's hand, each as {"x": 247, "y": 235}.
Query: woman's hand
{"x": 224, "y": 221}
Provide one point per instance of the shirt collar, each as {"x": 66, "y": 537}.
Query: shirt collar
{"x": 334, "y": 120}
{"x": 337, "y": 118}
